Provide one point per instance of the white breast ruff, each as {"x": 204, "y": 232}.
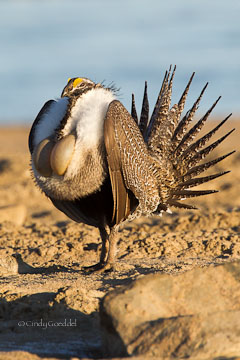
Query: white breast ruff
{"x": 87, "y": 120}
{"x": 87, "y": 116}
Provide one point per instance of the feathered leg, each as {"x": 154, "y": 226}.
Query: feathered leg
{"x": 108, "y": 251}
{"x": 104, "y": 252}
{"x": 112, "y": 240}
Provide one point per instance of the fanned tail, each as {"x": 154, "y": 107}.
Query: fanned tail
{"x": 170, "y": 140}
{"x": 186, "y": 157}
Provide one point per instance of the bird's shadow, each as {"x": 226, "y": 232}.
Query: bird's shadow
{"x": 25, "y": 268}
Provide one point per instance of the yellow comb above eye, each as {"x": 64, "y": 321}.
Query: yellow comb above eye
{"x": 77, "y": 81}
{"x": 69, "y": 79}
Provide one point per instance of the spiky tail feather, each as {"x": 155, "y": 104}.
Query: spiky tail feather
{"x": 134, "y": 111}
{"x": 143, "y": 122}
{"x": 168, "y": 137}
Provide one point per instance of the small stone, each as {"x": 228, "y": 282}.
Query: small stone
{"x": 8, "y": 265}
{"x": 13, "y": 265}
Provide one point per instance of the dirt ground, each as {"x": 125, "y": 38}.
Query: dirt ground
{"x": 48, "y": 305}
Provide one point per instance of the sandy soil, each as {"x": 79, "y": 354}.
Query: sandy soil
{"x": 42, "y": 252}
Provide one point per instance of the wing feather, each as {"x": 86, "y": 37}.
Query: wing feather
{"x": 131, "y": 168}
{"x": 121, "y": 199}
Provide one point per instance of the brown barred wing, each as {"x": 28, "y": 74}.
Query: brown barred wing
{"x": 132, "y": 170}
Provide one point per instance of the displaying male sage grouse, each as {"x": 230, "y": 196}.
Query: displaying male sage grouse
{"x": 102, "y": 166}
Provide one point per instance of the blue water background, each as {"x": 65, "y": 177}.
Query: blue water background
{"x": 43, "y": 43}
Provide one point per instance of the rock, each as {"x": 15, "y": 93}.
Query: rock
{"x": 13, "y": 213}
{"x": 14, "y": 264}
{"x": 195, "y": 314}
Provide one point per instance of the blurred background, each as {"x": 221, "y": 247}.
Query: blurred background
{"x": 43, "y": 43}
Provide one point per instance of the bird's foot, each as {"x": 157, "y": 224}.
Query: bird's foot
{"x": 99, "y": 268}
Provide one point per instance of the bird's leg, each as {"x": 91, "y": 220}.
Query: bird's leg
{"x": 105, "y": 245}
{"x": 104, "y": 251}
{"x": 107, "y": 257}
{"x": 112, "y": 241}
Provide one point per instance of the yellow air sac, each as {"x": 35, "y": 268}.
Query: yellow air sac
{"x": 61, "y": 154}
{"x": 41, "y": 157}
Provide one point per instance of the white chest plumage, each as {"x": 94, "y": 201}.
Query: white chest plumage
{"x": 87, "y": 120}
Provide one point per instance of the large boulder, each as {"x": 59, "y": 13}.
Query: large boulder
{"x": 195, "y": 314}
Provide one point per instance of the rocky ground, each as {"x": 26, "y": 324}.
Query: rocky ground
{"x": 50, "y": 308}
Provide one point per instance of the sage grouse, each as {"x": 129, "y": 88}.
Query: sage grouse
{"x": 102, "y": 166}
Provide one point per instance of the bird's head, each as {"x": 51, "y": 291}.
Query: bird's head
{"x": 78, "y": 86}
